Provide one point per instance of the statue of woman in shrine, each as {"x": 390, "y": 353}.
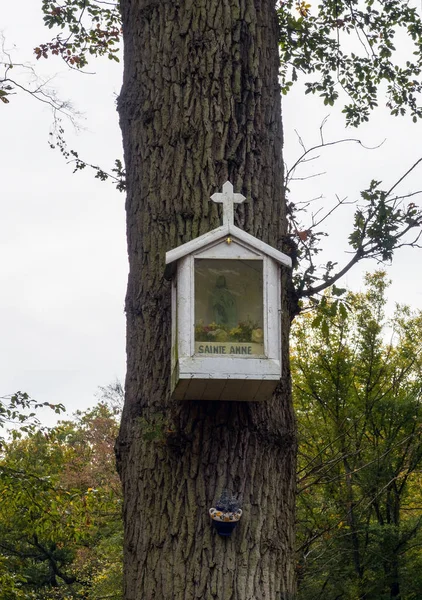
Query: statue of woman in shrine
{"x": 223, "y": 304}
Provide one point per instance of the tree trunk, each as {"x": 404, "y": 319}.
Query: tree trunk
{"x": 200, "y": 104}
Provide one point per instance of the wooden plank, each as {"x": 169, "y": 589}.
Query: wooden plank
{"x": 184, "y": 307}
{"x": 227, "y": 390}
{"x": 229, "y": 367}
{"x": 195, "y": 389}
{"x": 250, "y": 389}
{"x": 252, "y": 241}
{"x": 273, "y": 310}
{"x": 231, "y": 390}
{"x": 180, "y": 389}
{"x": 265, "y": 391}
{"x": 196, "y": 244}
{"x": 174, "y": 352}
{"x": 213, "y": 389}
{"x": 233, "y": 251}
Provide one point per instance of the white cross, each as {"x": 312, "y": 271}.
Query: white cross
{"x": 228, "y": 199}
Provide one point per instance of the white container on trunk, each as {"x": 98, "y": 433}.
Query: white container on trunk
{"x": 226, "y": 337}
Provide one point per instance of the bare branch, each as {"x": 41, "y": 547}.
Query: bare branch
{"x": 323, "y": 144}
{"x": 412, "y": 168}
{"x": 379, "y": 228}
{"x": 29, "y": 82}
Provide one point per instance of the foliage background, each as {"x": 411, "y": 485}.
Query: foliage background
{"x": 357, "y": 386}
{"x": 60, "y": 517}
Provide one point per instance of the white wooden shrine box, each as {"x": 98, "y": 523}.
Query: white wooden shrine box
{"x": 226, "y": 337}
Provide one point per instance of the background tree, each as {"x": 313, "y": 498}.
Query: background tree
{"x": 19, "y": 412}
{"x": 60, "y": 526}
{"x": 360, "y": 450}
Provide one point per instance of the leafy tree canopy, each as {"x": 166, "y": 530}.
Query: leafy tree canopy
{"x": 340, "y": 46}
{"x": 358, "y": 401}
{"x": 354, "y": 47}
{"x": 18, "y": 413}
{"x": 60, "y": 526}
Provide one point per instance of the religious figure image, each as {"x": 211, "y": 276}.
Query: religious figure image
{"x": 223, "y": 304}
{"x": 229, "y": 307}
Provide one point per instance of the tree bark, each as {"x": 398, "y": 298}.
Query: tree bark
{"x": 200, "y": 104}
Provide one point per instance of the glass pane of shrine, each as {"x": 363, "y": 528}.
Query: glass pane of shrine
{"x": 229, "y": 307}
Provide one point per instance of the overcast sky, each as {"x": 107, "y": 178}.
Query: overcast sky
{"x": 62, "y": 243}
{"x": 62, "y": 235}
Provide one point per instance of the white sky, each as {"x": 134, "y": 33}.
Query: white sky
{"x": 62, "y": 236}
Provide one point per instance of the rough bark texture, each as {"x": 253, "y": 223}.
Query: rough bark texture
{"x": 200, "y": 104}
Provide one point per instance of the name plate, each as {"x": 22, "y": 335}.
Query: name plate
{"x": 229, "y": 348}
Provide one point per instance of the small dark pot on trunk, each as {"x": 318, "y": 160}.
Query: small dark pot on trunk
{"x": 225, "y": 522}
{"x": 224, "y": 529}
